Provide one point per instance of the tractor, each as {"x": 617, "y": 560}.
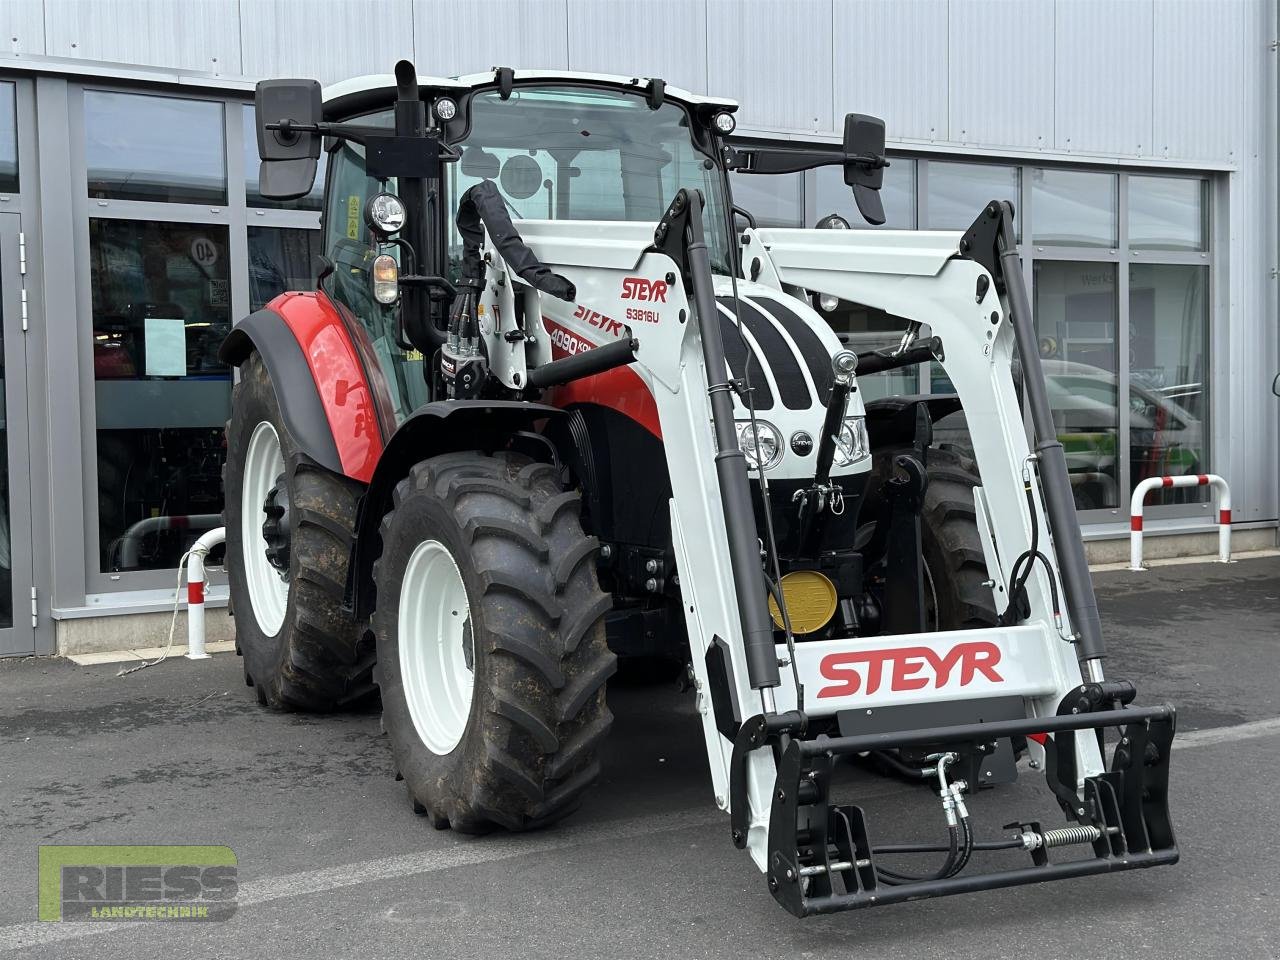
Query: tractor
{"x": 556, "y": 400}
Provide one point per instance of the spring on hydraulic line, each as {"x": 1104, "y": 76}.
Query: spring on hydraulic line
{"x": 1062, "y": 837}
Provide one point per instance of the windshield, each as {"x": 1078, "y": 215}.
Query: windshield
{"x": 569, "y": 153}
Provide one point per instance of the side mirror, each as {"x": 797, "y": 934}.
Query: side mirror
{"x": 286, "y": 114}
{"x": 864, "y": 163}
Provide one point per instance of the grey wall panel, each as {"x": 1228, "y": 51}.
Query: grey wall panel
{"x": 1102, "y": 69}
{"x": 191, "y": 36}
{"x": 289, "y": 38}
{"x": 774, "y": 57}
{"x": 22, "y": 23}
{"x": 1000, "y": 89}
{"x": 1200, "y": 51}
{"x": 468, "y": 36}
{"x": 1252, "y": 413}
{"x": 891, "y": 61}
{"x": 657, "y": 38}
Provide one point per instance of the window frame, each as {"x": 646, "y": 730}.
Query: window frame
{"x": 150, "y": 586}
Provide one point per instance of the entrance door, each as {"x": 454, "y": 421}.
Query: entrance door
{"x": 17, "y": 601}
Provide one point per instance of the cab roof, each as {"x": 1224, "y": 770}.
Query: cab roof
{"x": 359, "y": 94}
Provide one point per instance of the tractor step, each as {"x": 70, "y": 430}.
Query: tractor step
{"x": 821, "y": 858}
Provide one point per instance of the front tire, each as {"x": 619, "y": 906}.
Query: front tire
{"x": 301, "y": 650}
{"x": 492, "y": 660}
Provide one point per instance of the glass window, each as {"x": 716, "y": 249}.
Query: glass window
{"x": 1073, "y": 208}
{"x": 959, "y": 191}
{"x": 280, "y": 260}
{"x": 1075, "y": 314}
{"x": 312, "y": 201}
{"x": 161, "y": 308}
{"x": 1169, "y": 374}
{"x": 898, "y": 195}
{"x": 594, "y": 154}
{"x": 140, "y": 147}
{"x": 775, "y": 200}
{"x": 348, "y": 244}
{"x": 8, "y": 139}
{"x": 1166, "y": 213}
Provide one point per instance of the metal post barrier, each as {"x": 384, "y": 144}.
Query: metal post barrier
{"x": 1188, "y": 480}
{"x": 195, "y": 591}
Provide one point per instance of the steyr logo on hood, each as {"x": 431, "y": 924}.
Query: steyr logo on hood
{"x": 638, "y": 288}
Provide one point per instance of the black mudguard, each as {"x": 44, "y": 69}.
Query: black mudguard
{"x": 442, "y": 426}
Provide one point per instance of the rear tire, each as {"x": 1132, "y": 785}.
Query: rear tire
{"x": 301, "y": 650}
{"x": 956, "y": 595}
{"x": 519, "y": 608}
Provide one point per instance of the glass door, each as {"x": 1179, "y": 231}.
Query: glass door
{"x": 17, "y": 598}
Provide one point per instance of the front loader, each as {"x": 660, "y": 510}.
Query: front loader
{"x": 556, "y": 400}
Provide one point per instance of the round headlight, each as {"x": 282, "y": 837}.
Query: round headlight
{"x": 724, "y": 123}
{"x": 852, "y": 444}
{"x": 386, "y": 279}
{"x": 832, "y": 221}
{"x": 385, "y": 214}
{"x": 828, "y": 303}
{"x": 445, "y": 109}
{"x": 762, "y": 443}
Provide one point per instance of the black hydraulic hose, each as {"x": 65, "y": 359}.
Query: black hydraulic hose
{"x": 978, "y": 845}
{"x": 894, "y": 878}
{"x": 481, "y": 209}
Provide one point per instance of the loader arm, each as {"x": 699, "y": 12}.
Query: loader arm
{"x": 774, "y": 781}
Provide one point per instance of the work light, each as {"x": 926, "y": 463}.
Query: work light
{"x": 724, "y": 123}
{"x": 445, "y": 109}
{"x": 385, "y": 214}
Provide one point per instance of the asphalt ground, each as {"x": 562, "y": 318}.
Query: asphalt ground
{"x": 332, "y": 862}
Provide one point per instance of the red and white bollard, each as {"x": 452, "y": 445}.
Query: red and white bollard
{"x": 1189, "y": 480}
{"x": 195, "y": 591}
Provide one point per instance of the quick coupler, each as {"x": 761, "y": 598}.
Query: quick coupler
{"x": 821, "y": 858}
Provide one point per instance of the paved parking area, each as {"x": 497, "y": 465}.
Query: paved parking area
{"x": 333, "y": 862}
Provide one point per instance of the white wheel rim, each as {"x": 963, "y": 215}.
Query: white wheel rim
{"x": 268, "y": 590}
{"x": 433, "y": 637}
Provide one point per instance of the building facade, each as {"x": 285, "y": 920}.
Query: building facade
{"x": 1137, "y": 140}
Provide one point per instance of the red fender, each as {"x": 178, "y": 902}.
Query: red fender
{"x": 350, "y": 403}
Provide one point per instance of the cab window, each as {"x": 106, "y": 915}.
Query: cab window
{"x": 348, "y": 243}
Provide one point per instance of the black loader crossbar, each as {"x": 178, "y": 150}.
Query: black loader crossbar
{"x": 821, "y": 858}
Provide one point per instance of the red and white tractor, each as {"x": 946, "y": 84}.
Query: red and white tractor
{"x": 556, "y": 399}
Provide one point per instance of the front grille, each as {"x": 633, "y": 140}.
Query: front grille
{"x": 787, "y": 374}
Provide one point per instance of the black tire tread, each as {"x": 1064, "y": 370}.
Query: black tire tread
{"x": 323, "y": 665}
{"x": 952, "y": 544}
{"x": 548, "y": 661}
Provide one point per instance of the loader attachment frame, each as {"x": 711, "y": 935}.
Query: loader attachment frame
{"x": 822, "y": 858}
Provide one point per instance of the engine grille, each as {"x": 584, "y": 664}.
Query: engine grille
{"x": 770, "y": 323}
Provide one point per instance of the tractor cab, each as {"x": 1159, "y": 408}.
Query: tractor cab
{"x": 559, "y": 146}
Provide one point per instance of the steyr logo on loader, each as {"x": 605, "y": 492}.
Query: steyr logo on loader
{"x": 638, "y": 288}
{"x": 907, "y": 668}
{"x": 597, "y": 319}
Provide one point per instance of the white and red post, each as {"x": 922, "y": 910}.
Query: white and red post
{"x": 195, "y": 591}
{"x": 1188, "y": 480}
